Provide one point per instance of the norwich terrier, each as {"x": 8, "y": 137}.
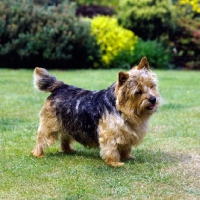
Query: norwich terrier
{"x": 113, "y": 119}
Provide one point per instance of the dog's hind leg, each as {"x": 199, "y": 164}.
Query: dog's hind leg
{"x": 47, "y": 131}
{"x": 45, "y": 138}
{"x": 126, "y": 153}
{"x": 66, "y": 143}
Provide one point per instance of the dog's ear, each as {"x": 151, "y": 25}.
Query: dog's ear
{"x": 143, "y": 64}
{"x": 122, "y": 77}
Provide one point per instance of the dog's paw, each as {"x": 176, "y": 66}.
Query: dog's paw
{"x": 115, "y": 164}
{"x": 69, "y": 151}
{"x": 38, "y": 156}
{"x": 129, "y": 157}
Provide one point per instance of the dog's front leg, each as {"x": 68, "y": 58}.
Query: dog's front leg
{"x": 110, "y": 153}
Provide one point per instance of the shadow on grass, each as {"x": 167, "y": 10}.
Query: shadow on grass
{"x": 150, "y": 156}
{"x": 141, "y": 156}
{"x": 92, "y": 153}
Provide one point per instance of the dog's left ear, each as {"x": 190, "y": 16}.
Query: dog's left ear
{"x": 122, "y": 77}
{"x": 144, "y": 64}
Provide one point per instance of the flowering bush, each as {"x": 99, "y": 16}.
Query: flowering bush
{"x": 116, "y": 43}
{"x": 195, "y": 4}
{"x": 186, "y": 37}
{"x": 187, "y": 8}
{"x": 187, "y": 43}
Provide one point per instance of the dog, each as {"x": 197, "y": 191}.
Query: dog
{"x": 113, "y": 119}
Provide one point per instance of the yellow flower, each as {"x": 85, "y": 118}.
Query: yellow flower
{"x": 195, "y": 4}
{"x": 112, "y": 38}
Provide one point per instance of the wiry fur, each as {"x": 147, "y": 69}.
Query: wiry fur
{"x": 114, "y": 119}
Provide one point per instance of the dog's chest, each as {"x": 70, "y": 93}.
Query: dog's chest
{"x": 114, "y": 127}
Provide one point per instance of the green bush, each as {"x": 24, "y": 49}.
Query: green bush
{"x": 51, "y": 37}
{"x": 157, "y": 54}
{"x": 146, "y": 18}
{"x": 186, "y": 36}
{"x": 116, "y": 43}
{"x": 187, "y": 43}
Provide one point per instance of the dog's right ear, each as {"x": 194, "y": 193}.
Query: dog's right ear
{"x": 122, "y": 78}
{"x": 144, "y": 64}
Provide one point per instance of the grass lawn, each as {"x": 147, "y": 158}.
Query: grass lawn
{"x": 167, "y": 164}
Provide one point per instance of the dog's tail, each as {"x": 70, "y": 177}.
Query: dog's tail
{"x": 45, "y": 82}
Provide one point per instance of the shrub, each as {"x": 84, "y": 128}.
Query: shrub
{"x": 158, "y": 56}
{"x": 187, "y": 8}
{"x": 186, "y": 37}
{"x": 194, "y": 4}
{"x": 187, "y": 43}
{"x": 146, "y": 18}
{"x": 51, "y": 37}
{"x": 116, "y": 43}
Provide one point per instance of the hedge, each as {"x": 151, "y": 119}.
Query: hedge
{"x": 45, "y": 36}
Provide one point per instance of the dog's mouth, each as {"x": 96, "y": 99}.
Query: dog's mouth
{"x": 152, "y": 107}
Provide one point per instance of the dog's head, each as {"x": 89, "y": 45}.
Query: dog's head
{"x": 137, "y": 91}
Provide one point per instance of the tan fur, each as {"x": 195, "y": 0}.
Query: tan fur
{"x": 121, "y": 136}
{"x": 123, "y": 132}
{"x": 47, "y": 131}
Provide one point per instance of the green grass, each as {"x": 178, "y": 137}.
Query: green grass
{"x": 167, "y": 164}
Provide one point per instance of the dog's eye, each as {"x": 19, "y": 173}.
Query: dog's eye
{"x": 138, "y": 92}
{"x": 152, "y": 87}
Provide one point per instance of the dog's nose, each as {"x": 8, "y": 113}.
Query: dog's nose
{"x": 152, "y": 99}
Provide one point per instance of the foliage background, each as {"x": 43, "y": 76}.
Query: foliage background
{"x": 147, "y": 19}
{"x": 55, "y": 33}
{"x": 51, "y": 37}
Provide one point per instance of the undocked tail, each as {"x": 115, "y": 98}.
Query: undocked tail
{"x": 44, "y": 81}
